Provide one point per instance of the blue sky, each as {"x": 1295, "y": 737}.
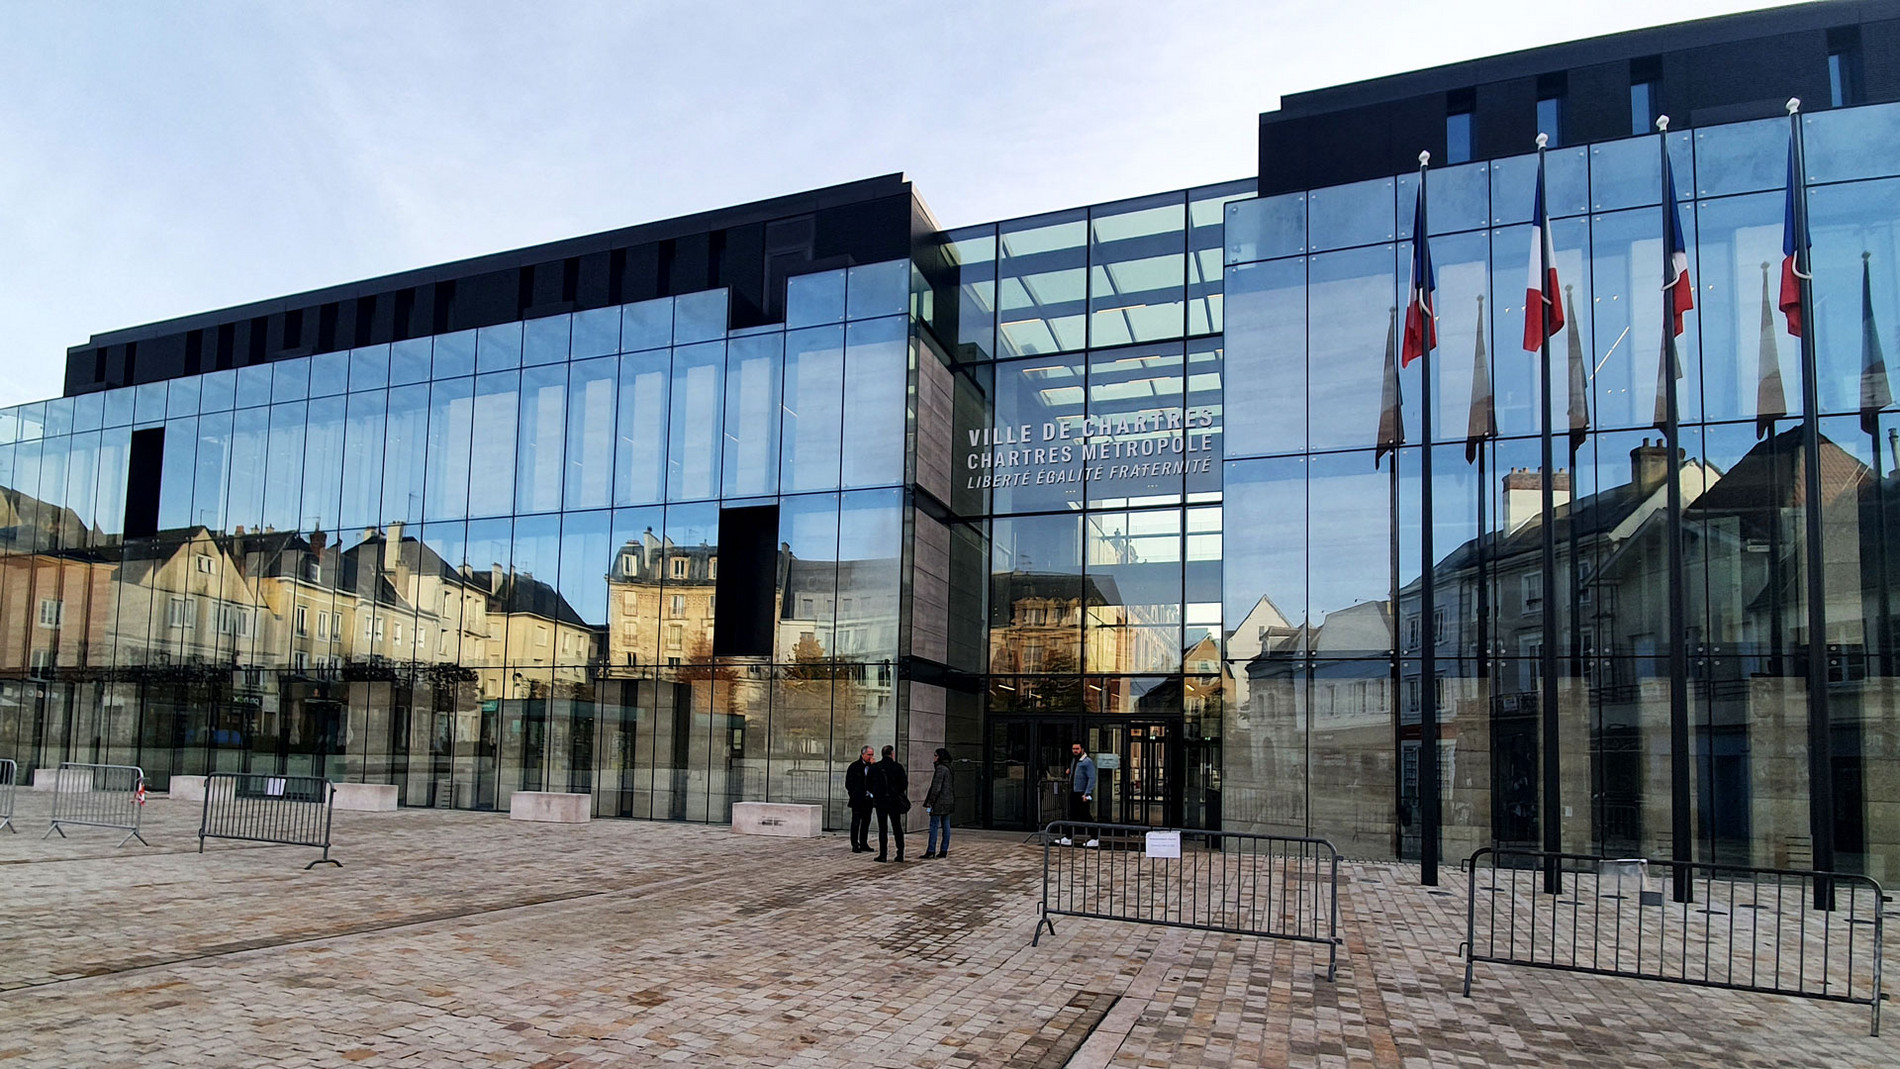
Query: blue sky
{"x": 163, "y": 159}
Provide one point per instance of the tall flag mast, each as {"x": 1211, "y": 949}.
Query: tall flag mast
{"x": 1678, "y": 297}
{"x": 1421, "y": 336}
{"x": 1480, "y": 425}
{"x": 1796, "y": 267}
{"x": 1544, "y": 317}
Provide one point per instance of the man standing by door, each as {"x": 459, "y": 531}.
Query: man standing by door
{"x": 857, "y": 794}
{"x": 1081, "y": 784}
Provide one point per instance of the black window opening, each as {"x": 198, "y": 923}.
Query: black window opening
{"x": 145, "y": 467}
{"x": 746, "y": 584}
{"x": 1460, "y": 121}
{"x": 1845, "y": 84}
{"x": 1645, "y": 94}
{"x": 1550, "y": 108}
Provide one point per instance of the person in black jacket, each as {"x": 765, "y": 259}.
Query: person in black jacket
{"x": 857, "y": 795}
{"x": 890, "y": 786}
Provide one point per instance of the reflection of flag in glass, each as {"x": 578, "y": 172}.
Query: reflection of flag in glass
{"x": 1391, "y": 422}
{"x": 1771, "y": 403}
{"x": 1543, "y": 312}
{"x": 1483, "y": 423}
{"x": 1579, "y": 384}
{"x": 1874, "y": 392}
{"x": 1421, "y": 332}
{"x": 1794, "y": 254}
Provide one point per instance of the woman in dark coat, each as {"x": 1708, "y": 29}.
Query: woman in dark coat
{"x": 939, "y": 803}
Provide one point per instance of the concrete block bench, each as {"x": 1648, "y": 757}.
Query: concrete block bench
{"x": 48, "y": 779}
{"x": 778, "y": 818}
{"x": 188, "y": 788}
{"x": 549, "y": 807}
{"x": 366, "y": 797}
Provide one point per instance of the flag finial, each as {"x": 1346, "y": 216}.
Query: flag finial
{"x": 1662, "y": 124}
{"x": 1865, "y": 255}
{"x": 1424, "y": 157}
{"x": 1542, "y": 140}
{"x": 1480, "y": 300}
{"x": 1794, "y": 105}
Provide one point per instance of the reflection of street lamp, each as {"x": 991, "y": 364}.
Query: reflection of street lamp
{"x": 517, "y": 685}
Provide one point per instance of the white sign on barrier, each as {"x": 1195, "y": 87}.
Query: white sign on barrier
{"x": 1164, "y": 844}
{"x": 274, "y": 787}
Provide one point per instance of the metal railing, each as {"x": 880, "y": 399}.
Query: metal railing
{"x": 259, "y": 808}
{"x": 9, "y": 775}
{"x": 98, "y": 796}
{"x": 1269, "y": 886}
{"x": 1773, "y": 931}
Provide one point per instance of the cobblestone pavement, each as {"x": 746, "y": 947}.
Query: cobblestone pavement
{"x": 463, "y": 939}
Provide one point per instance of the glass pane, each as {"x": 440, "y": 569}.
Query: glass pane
{"x": 1037, "y": 600}
{"x": 498, "y": 348}
{"x": 694, "y": 427}
{"x": 870, "y": 580}
{"x": 329, "y": 374}
{"x": 409, "y": 361}
{"x": 646, "y": 325}
{"x": 1033, "y": 455}
{"x": 974, "y": 253}
{"x": 699, "y": 316}
{"x": 876, "y": 385}
{"x": 369, "y": 369}
{"x": 1357, "y": 214}
{"x": 323, "y": 463}
{"x": 1042, "y": 285}
{"x": 362, "y": 462}
{"x": 1846, "y": 143}
{"x": 451, "y": 430}
{"x": 406, "y": 458}
{"x": 290, "y": 380}
{"x": 754, "y": 372}
{"x": 253, "y": 388}
{"x": 640, "y": 447}
{"x": 1346, "y": 346}
{"x": 591, "y": 390}
{"x": 1741, "y": 157}
{"x": 1514, "y": 185}
{"x": 283, "y": 469}
{"x": 1265, "y": 228}
{"x": 545, "y": 340}
{"x": 814, "y": 409}
{"x": 814, "y": 299}
{"x": 454, "y": 355}
{"x": 596, "y": 333}
{"x": 808, "y": 529}
{"x": 540, "y": 453}
{"x": 492, "y": 455}
{"x": 1135, "y": 438}
{"x": 879, "y": 290}
{"x": 1137, "y": 270}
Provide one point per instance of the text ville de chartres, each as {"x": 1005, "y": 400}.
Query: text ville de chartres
{"x": 1130, "y": 446}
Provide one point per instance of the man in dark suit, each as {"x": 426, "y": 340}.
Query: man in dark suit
{"x": 857, "y": 795}
{"x": 890, "y": 786}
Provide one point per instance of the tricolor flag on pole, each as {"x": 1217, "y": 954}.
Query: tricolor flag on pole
{"x": 1795, "y": 265}
{"x": 1676, "y": 273}
{"x": 1543, "y": 310}
{"x": 1421, "y": 332}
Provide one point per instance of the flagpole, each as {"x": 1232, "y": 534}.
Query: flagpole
{"x": 1484, "y": 596}
{"x": 1428, "y": 594}
{"x": 1682, "y": 826}
{"x": 1820, "y": 728}
{"x": 1547, "y": 667}
{"x": 1575, "y": 586}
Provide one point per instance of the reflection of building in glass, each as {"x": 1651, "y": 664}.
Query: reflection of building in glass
{"x": 685, "y": 513}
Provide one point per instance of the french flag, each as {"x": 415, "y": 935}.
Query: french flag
{"x": 1676, "y": 270}
{"x": 1543, "y": 309}
{"x": 1794, "y": 255}
{"x": 1421, "y": 330}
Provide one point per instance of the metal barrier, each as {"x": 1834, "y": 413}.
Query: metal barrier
{"x": 9, "y": 775}
{"x": 1705, "y": 925}
{"x": 258, "y": 808}
{"x": 1269, "y": 886}
{"x": 98, "y": 796}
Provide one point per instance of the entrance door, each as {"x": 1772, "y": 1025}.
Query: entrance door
{"x": 1136, "y": 764}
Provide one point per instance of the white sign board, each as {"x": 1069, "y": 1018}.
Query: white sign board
{"x": 1164, "y": 844}
{"x": 1108, "y": 762}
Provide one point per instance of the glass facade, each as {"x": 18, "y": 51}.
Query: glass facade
{"x": 1108, "y": 475}
{"x": 479, "y": 562}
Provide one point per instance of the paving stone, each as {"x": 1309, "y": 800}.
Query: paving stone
{"x": 463, "y": 939}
